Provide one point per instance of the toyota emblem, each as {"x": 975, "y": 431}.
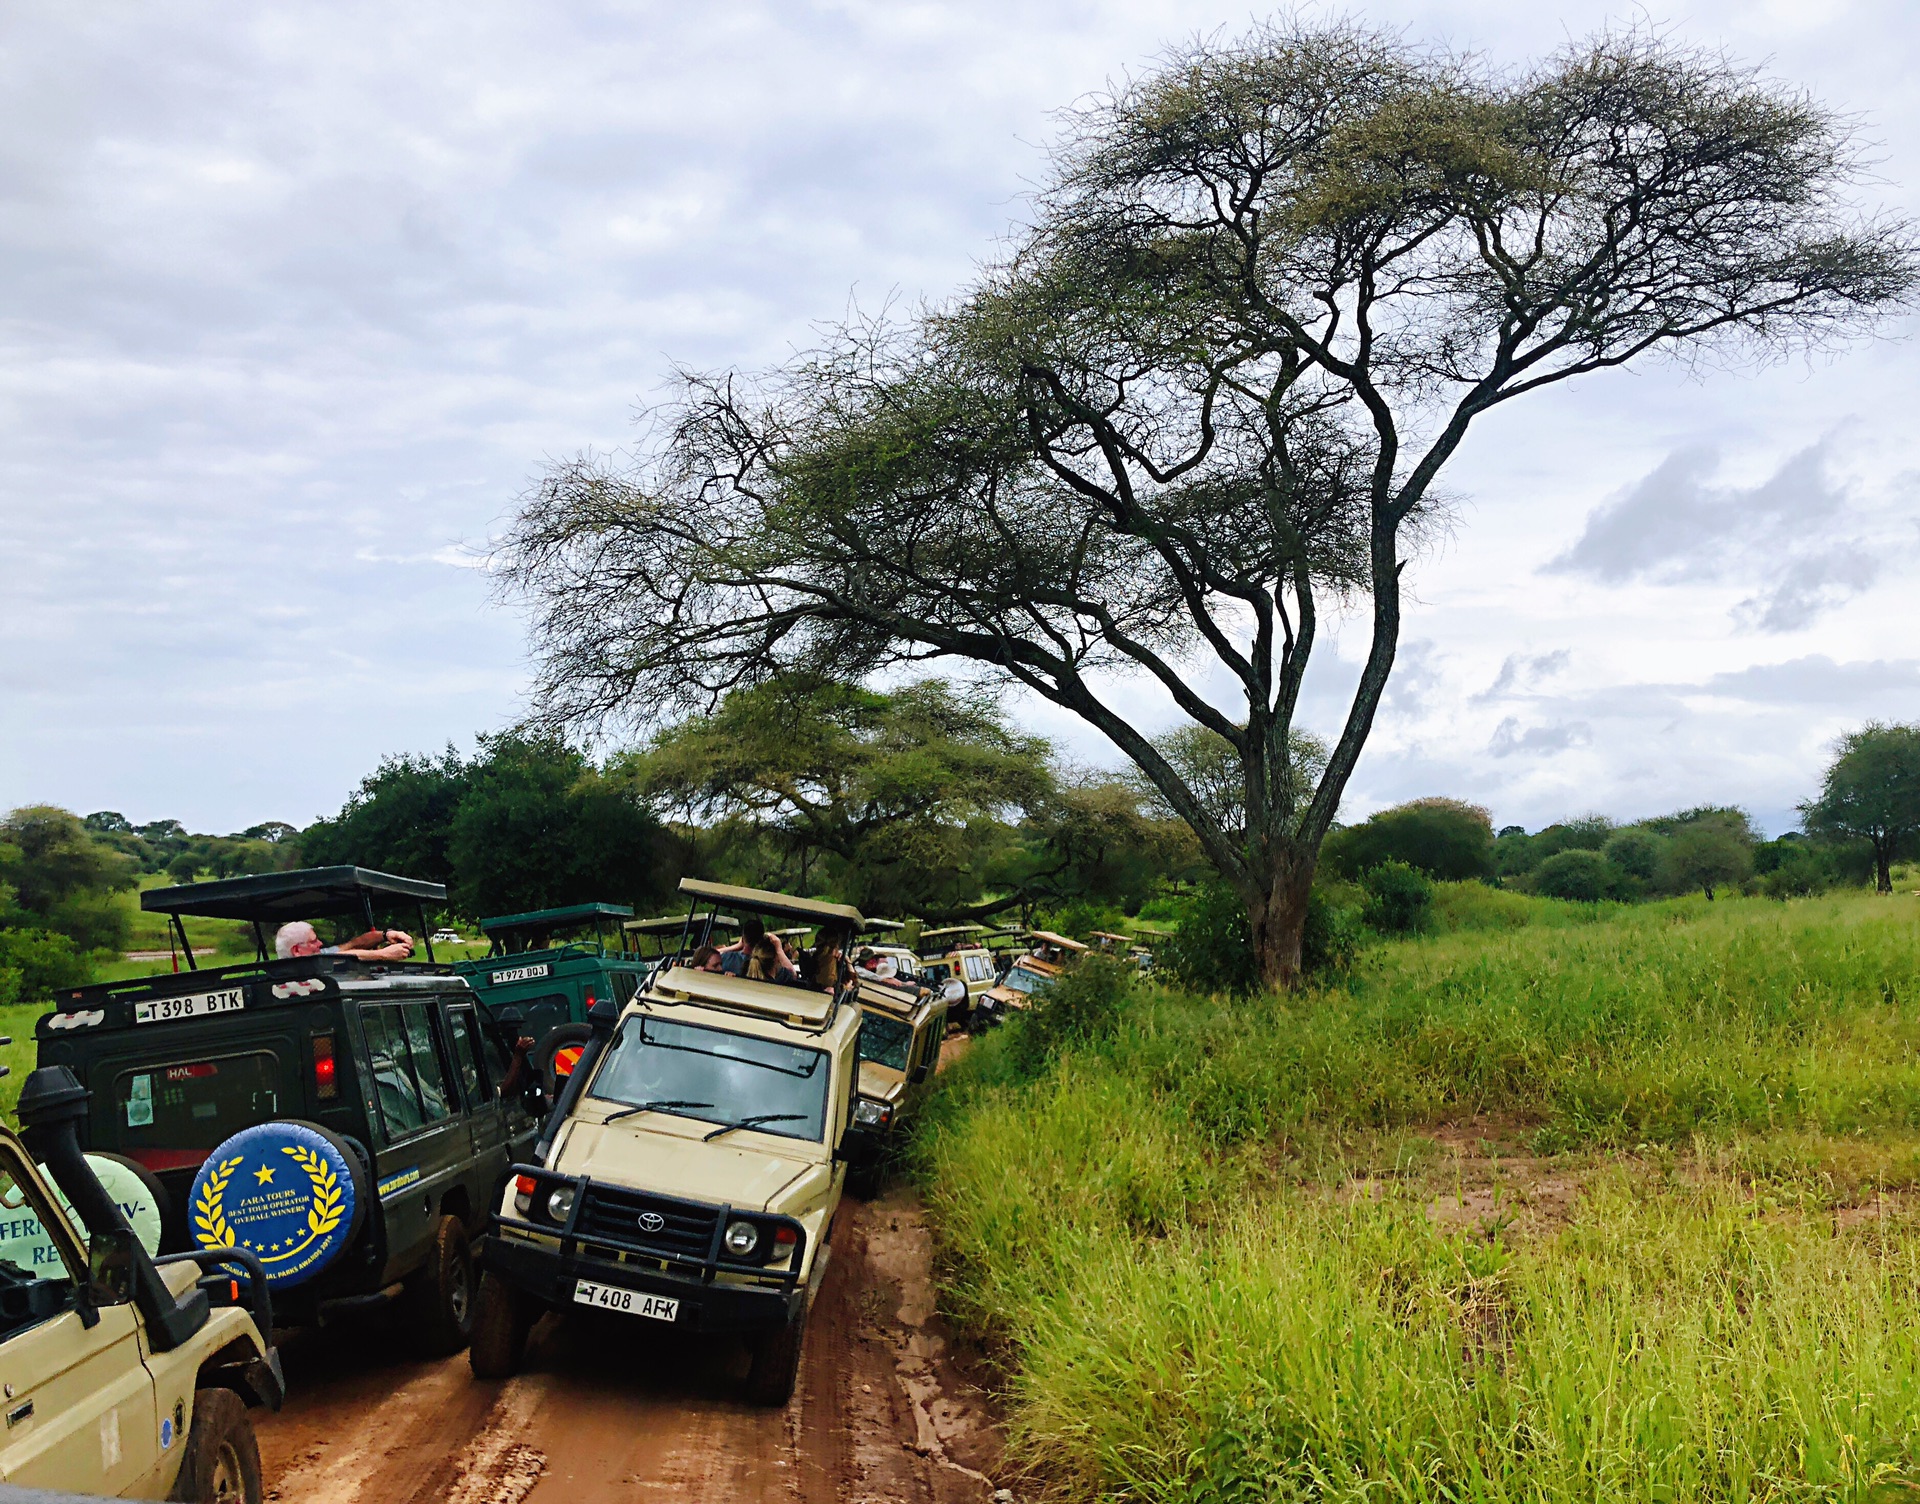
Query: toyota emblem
{"x": 651, "y": 1221}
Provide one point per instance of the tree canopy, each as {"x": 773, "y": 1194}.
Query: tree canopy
{"x": 1267, "y": 290}
{"x": 1871, "y": 792}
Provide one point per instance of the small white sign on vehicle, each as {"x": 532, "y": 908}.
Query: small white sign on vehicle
{"x": 520, "y": 974}
{"x": 631, "y": 1302}
{"x": 162, "y": 1010}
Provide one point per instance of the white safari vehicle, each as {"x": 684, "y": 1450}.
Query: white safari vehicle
{"x": 691, "y": 1169}
{"x": 123, "y": 1376}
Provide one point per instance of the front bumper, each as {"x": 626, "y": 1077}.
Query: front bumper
{"x": 547, "y": 1271}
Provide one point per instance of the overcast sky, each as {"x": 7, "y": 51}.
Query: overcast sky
{"x": 297, "y": 297}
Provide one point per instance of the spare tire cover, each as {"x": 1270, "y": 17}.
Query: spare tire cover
{"x": 289, "y": 1193}
{"x": 26, "y": 1244}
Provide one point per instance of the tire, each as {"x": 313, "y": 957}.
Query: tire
{"x": 441, "y": 1292}
{"x": 566, "y": 1037}
{"x": 222, "y": 1460}
{"x": 864, "y": 1181}
{"x": 502, "y": 1317}
{"x": 776, "y": 1361}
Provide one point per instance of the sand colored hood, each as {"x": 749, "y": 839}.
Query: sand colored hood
{"x": 743, "y": 1169}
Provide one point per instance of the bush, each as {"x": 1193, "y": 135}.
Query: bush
{"x": 1080, "y": 1009}
{"x": 1332, "y": 937}
{"x": 1443, "y": 838}
{"x": 1797, "y": 872}
{"x": 1082, "y": 917}
{"x": 1399, "y": 899}
{"x": 1211, "y": 948}
{"x": 1582, "y": 875}
{"x": 1635, "y": 852}
{"x": 34, "y": 964}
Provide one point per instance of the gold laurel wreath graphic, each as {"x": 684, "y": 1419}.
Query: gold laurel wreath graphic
{"x": 326, "y": 1210}
{"x": 209, "y": 1214}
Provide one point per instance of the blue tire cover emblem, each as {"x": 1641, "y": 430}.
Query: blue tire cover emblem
{"x": 280, "y": 1191}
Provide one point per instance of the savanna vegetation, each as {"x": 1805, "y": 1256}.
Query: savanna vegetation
{"x": 1556, "y": 1201}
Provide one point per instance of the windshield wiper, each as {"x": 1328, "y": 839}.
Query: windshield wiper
{"x": 765, "y": 1117}
{"x": 662, "y": 1105}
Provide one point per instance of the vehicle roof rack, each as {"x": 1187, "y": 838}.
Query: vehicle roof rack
{"x": 1052, "y": 939}
{"x": 953, "y": 929}
{"x": 761, "y": 901}
{"x": 667, "y": 924}
{"x": 266, "y": 896}
{"x": 546, "y": 919}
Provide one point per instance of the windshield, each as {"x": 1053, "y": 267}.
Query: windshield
{"x": 885, "y": 1040}
{"x": 717, "y": 1077}
{"x": 1022, "y": 980}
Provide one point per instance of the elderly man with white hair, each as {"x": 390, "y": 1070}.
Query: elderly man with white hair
{"x": 298, "y": 938}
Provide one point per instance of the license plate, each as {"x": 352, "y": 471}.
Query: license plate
{"x": 163, "y": 1010}
{"x": 630, "y": 1302}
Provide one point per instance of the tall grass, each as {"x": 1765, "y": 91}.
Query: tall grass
{"x": 1187, "y": 1315}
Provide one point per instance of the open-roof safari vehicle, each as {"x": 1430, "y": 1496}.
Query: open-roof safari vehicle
{"x": 903, "y": 1022}
{"x": 125, "y": 1376}
{"x": 691, "y": 1169}
{"x": 1046, "y": 958}
{"x": 344, "y": 1118}
{"x": 954, "y": 957}
{"x": 545, "y": 970}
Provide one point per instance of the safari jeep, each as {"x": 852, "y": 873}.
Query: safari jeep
{"x": 692, "y": 1167}
{"x": 901, "y": 1027}
{"x": 1046, "y": 958}
{"x": 124, "y": 1376}
{"x": 349, "y": 1122}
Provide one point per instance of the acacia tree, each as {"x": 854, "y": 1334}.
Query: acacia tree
{"x": 1872, "y": 793}
{"x": 1264, "y": 296}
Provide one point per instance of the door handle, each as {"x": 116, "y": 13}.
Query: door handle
{"x": 19, "y": 1413}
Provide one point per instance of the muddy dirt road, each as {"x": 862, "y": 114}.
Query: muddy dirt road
{"x": 603, "y": 1411}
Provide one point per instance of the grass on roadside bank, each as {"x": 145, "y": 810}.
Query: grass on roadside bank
{"x": 1144, "y": 1204}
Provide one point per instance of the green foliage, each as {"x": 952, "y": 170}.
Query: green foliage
{"x": 56, "y": 875}
{"x": 1399, "y": 898}
{"x": 1706, "y": 854}
{"x": 1576, "y": 873}
{"x": 1636, "y": 851}
{"x": 1080, "y": 1010}
{"x": 37, "y": 963}
{"x": 158, "y": 845}
{"x": 1444, "y": 838}
{"x": 1797, "y": 871}
{"x": 1211, "y": 948}
{"x": 1871, "y": 793}
{"x": 1209, "y": 1287}
{"x": 399, "y": 820}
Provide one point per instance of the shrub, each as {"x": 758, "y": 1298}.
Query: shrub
{"x": 1211, "y": 948}
{"x": 1082, "y": 1008}
{"x": 1705, "y": 855}
{"x": 34, "y": 964}
{"x": 1399, "y": 898}
{"x": 1797, "y": 872}
{"x": 1582, "y": 875}
{"x": 1635, "y": 852}
{"x": 1333, "y": 935}
{"x": 1444, "y": 838}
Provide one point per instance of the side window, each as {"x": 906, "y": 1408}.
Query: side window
{"x": 625, "y": 985}
{"x": 464, "y": 1036}
{"x": 392, "y": 1068}
{"x": 36, "y": 1283}
{"x": 434, "y": 1096}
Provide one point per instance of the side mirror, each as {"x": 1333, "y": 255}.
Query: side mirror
{"x": 110, "y": 1266}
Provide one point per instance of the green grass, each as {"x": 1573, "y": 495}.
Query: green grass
{"x": 1154, "y": 1226}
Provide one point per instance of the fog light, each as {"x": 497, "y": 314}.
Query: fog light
{"x": 560, "y": 1204}
{"x": 742, "y": 1238}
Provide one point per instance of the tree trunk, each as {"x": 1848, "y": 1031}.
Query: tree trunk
{"x": 1277, "y": 917}
{"x": 1883, "y": 865}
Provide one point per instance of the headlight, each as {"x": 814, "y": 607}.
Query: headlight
{"x": 868, "y": 1113}
{"x": 560, "y": 1204}
{"x": 742, "y": 1238}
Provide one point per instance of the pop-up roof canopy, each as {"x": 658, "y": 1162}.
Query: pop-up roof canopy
{"x": 1052, "y": 939}
{"x": 558, "y": 919}
{"x": 780, "y": 905}
{"x": 268, "y": 897}
{"x": 672, "y": 924}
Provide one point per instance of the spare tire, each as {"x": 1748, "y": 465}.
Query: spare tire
{"x": 290, "y": 1192}
{"x": 147, "y": 1211}
{"x": 558, "y": 1054}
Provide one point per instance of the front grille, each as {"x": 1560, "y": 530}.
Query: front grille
{"x": 608, "y": 1212}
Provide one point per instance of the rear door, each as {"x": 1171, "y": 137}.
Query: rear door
{"x": 79, "y": 1404}
{"x": 480, "y": 1087}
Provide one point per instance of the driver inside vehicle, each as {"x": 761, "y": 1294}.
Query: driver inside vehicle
{"x": 298, "y": 938}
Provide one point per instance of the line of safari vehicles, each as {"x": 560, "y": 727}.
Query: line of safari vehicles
{"x": 599, "y": 1112}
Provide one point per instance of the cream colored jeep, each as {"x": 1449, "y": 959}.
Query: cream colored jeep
{"x": 691, "y": 1169}
{"x": 121, "y": 1376}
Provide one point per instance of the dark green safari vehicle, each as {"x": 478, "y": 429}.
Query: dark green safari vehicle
{"x": 351, "y": 1120}
{"x": 546, "y": 969}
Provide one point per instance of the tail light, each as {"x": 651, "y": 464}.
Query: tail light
{"x": 326, "y": 1080}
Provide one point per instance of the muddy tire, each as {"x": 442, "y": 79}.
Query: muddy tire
{"x": 502, "y": 1317}
{"x": 222, "y": 1460}
{"x": 440, "y": 1293}
{"x": 775, "y": 1362}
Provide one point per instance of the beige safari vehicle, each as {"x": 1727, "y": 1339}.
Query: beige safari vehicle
{"x": 692, "y": 1167}
{"x": 902, "y": 1024}
{"x": 1045, "y": 960}
{"x": 123, "y": 1376}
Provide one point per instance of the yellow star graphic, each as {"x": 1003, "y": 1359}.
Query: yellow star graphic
{"x": 264, "y": 1174}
